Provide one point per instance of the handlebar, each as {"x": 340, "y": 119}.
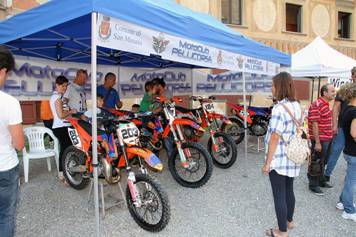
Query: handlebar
{"x": 202, "y": 99}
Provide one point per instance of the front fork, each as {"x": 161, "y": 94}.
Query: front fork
{"x": 131, "y": 179}
{"x": 212, "y": 133}
{"x": 179, "y": 138}
{"x": 131, "y": 182}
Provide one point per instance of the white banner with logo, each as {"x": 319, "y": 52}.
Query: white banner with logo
{"x": 34, "y": 79}
{"x": 121, "y": 35}
{"x": 338, "y": 82}
{"x": 230, "y": 83}
{"x": 132, "y": 80}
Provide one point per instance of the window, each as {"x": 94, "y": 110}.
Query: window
{"x": 344, "y": 25}
{"x": 293, "y": 18}
{"x": 231, "y": 12}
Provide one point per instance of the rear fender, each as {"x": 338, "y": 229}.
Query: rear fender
{"x": 78, "y": 136}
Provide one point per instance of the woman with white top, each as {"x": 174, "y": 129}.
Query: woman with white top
{"x": 280, "y": 169}
{"x": 59, "y": 112}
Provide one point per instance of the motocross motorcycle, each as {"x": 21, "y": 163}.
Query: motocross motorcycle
{"x": 257, "y": 121}
{"x": 221, "y": 145}
{"x": 190, "y": 164}
{"x": 146, "y": 200}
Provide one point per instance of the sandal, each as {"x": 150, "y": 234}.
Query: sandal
{"x": 270, "y": 233}
{"x": 290, "y": 225}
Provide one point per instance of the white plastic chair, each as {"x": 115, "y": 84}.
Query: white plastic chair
{"x": 37, "y": 150}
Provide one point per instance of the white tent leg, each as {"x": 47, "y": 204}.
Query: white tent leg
{"x": 245, "y": 116}
{"x": 94, "y": 121}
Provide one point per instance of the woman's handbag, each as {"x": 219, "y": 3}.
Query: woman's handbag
{"x": 297, "y": 149}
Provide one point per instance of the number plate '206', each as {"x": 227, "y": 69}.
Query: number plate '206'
{"x": 129, "y": 133}
{"x": 74, "y": 137}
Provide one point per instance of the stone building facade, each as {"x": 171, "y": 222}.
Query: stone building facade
{"x": 287, "y": 25}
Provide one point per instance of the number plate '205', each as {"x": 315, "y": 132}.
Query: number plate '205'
{"x": 74, "y": 137}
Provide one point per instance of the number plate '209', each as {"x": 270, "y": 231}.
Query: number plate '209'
{"x": 129, "y": 133}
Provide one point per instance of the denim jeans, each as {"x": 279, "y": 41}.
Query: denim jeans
{"x": 336, "y": 149}
{"x": 169, "y": 145}
{"x": 284, "y": 199}
{"x": 9, "y": 187}
{"x": 347, "y": 195}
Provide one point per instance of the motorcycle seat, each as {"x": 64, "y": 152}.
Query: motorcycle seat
{"x": 185, "y": 110}
{"x": 87, "y": 127}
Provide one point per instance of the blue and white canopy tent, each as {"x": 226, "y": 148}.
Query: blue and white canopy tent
{"x": 136, "y": 33}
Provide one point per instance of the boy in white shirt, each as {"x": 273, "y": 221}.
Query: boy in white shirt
{"x": 11, "y": 138}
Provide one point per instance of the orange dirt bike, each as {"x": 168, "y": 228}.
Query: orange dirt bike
{"x": 118, "y": 144}
{"x": 221, "y": 145}
{"x": 189, "y": 162}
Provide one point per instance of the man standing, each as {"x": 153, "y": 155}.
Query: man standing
{"x": 339, "y": 139}
{"x": 11, "y": 138}
{"x": 111, "y": 97}
{"x": 75, "y": 95}
{"x": 320, "y": 131}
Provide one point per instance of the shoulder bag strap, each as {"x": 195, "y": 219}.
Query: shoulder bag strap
{"x": 296, "y": 122}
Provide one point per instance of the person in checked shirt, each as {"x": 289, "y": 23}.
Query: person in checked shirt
{"x": 277, "y": 166}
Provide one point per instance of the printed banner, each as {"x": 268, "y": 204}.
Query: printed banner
{"x": 121, "y": 35}
{"x": 132, "y": 80}
{"x": 34, "y": 79}
{"x": 338, "y": 82}
{"x": 230, "y": 83}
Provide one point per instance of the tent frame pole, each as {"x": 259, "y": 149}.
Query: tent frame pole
{"x": 245, "y": 117}
{"x": 94, "y": 120}
{"x": 319, "y": 78}
{"x": 312, "y": 91}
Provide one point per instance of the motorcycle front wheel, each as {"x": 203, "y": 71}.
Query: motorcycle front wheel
{"x": 200, "y": 165}
{"x": 226, "y": 154}
{"x": 154, "y": 213}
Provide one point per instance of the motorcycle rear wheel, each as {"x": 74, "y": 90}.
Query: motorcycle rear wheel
{"x": 153, "y": 198}
{"x": 72, "y": 157}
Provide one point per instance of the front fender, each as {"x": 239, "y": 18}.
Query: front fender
{"x": 183, "y": 121}
{"x": 148, "y": 156}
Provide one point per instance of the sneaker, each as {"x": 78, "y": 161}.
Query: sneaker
{"x": 340, "y": 206}
{"x": 316, "y": 191}
{"x": 325, "y": 185}
{"x": 327, "y": 178}
{"x": 348, "y": 216}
